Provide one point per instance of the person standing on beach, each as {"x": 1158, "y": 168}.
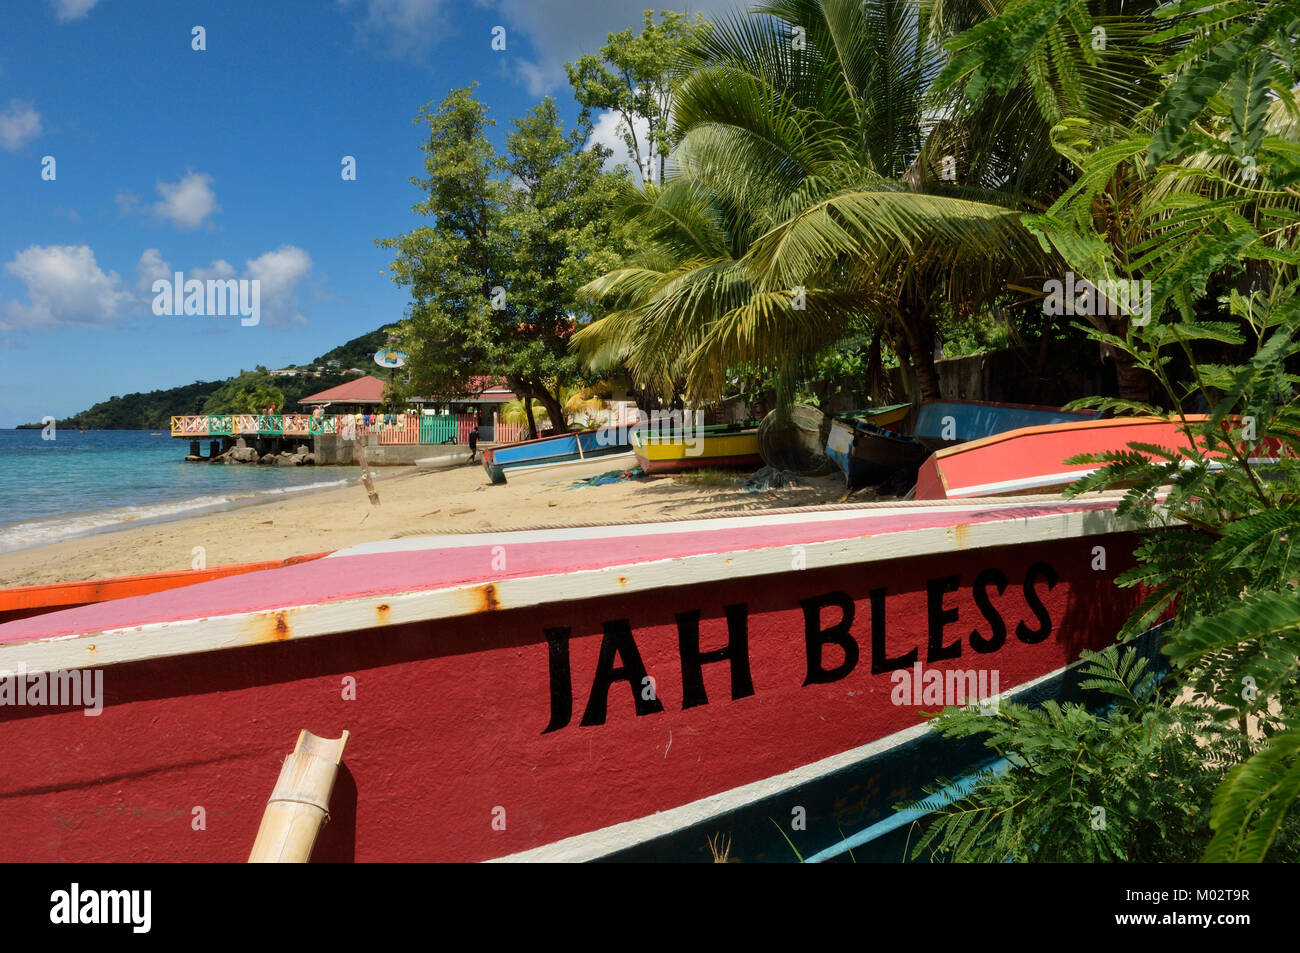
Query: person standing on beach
{"x": 473, "y": 443}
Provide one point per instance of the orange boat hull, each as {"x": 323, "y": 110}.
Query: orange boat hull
{"x": 24, "y": 601}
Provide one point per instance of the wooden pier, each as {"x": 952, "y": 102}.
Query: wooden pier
{"x": 327, "y": 435}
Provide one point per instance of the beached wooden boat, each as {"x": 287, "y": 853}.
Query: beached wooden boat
{"x": 558, "y": 694}
{"x": 497, "y": 461}
{"x": 868, "y": 454}
{"x": 944, "y": 423}
{"x": 873, "y": 452}
{"x": 1031, "y": 460}
{"x": 444, "y": 460}
{"x": 24, "y": 601}
{"x": 571, "y": 469}
{"x": 714, "y": 446}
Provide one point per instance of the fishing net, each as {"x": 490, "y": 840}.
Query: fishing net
{"x": 794, "y": 438}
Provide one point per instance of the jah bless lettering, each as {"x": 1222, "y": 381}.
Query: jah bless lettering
{"x": 828, "y": 620}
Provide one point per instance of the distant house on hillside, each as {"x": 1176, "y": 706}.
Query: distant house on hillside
{"x": 284, "y": 372}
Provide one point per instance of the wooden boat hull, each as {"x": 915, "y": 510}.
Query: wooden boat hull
{"x": 571, "y": 469}
{"x": 25, "y": 601}
{"x": 498, "y": 461}
{"x": 446, "y": 460}
{"x": 545, "y": 695}
{"x": 698, "y": 451}
{"x": 945, "y": 423}
{"x": 888, "y": 416}
{"x": 1031, "y": 460}
{"x": 869, "y": 455}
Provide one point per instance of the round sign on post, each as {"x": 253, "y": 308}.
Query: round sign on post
{"x": 387, "y": 357}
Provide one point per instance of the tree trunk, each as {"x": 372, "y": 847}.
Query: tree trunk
{"x": 920, "y": 351}
{"x": 1132, "y": 382}
{"x": 528, "y": 413}
{"x": 554, "y": 410}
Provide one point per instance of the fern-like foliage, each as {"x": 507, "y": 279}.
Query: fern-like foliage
{"x": 1197, "y": 194}
{"x": 1124, "y": 784}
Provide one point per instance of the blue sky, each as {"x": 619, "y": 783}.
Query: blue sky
{"x": 226, "y": 162}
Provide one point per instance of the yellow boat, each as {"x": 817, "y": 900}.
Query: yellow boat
{"x": 713, "y": 446}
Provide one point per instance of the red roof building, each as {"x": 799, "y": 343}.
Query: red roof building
{"x": 364, "y": 390}
{"x": 478, "y": 390}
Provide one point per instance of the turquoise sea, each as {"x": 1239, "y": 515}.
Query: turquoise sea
{"x": 83, "y": 482}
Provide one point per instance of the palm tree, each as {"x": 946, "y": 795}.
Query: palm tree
{"x": 793, "y": 219}
{"x": 820, "y": 141}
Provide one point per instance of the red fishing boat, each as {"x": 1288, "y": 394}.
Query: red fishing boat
{"x": 1030, "y": 460}
{"x": 554, "y": 694}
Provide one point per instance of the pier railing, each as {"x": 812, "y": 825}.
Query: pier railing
{"x": 390, "y": 428}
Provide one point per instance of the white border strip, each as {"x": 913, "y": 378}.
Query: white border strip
{"x": 1045, "y": 481}
{"x": 1024, "y": 483}
{"x": 702, "y": 525}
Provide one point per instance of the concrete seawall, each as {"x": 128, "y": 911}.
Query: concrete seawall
{"x": 330, "y": 450}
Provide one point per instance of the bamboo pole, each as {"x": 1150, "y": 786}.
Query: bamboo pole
{"x": 299, "y": 804}
{"x": 352, "y": 432}
{"x": 366, "y": 479}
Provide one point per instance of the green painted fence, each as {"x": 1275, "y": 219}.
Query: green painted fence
{"x": 437, "y": 429}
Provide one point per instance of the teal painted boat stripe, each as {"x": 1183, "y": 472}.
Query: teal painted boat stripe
{"x": 953, "y": 792}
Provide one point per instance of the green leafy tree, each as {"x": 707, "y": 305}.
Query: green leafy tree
{"x": 494, "y": 276}
{"x": 803, "y": 210}
{"x": 633, "y": 77}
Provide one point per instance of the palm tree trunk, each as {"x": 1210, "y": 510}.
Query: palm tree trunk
{"x": 918, "y": 335}
{"x": 1131, "y": 381}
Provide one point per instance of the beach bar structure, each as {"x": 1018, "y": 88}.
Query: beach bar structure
{"x": 355, "y": 408}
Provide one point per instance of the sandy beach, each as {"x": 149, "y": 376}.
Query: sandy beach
{"x": 412, "y": 503}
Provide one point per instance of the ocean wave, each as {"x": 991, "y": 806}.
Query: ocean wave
{"x": 54, "y": 529}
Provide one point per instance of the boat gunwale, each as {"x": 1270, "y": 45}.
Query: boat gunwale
{"x": 363, "y": 613}
{"x": 1058, "y": 428}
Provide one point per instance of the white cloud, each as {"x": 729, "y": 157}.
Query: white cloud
{"x": 19, "y": 124}
{"x": 405, "y": 27}
{"x": 559, "y": 31}
{"x": 280, "y": 272}
{"x": 188, "y": 202}
{"x": 150, "y": 268}
{"x": 220, "y": 269}
{"x": 66, "y": 10}
{"x": 605, "y": 132}
{"x": 127, "y": 202}
{"x": 65, "y": 286}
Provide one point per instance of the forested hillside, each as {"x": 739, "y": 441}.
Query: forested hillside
{"x": 246, "y": 392}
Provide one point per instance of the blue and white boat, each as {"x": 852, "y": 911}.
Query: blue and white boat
{"x": 498, "y": 461}
{"x": 871, "y": 450}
